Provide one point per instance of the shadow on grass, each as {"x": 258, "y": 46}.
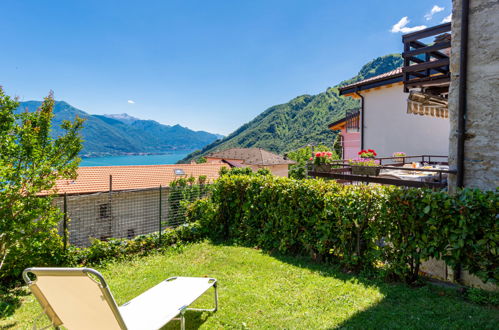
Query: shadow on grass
{"x": 402, "y": 306}
{"x": 10, "y": 301}
{"x": 407, "y": 307}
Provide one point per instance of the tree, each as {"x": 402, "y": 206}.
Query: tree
{"x": 302, "y": 156}
{"x": 201, "y": 160}
{"x": 30, "y": 163}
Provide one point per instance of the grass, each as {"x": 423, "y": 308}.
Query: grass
{"x": 258, "y": 291}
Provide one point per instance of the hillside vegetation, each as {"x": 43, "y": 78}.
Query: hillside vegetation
{"x": 123, "y": 134}
{"x": 302, "y": 120}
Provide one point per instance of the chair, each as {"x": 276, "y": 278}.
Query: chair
{"x": 79, "y": 298}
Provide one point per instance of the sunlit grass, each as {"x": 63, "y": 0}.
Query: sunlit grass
{"x": 264, "y": 292}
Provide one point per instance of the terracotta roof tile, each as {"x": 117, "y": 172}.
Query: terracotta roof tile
{"x": 251, "y": 156}
{"x": 96, "y": 178}
{"x": 381, "y": 77}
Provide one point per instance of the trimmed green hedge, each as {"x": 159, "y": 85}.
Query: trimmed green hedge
{"x": 360, "y": 226}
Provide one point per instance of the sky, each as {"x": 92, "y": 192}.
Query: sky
{"x": 207, "y": 65}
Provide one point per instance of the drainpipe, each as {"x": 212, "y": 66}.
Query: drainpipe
{"x": 462, "y": 108}
{"x": 361, "y": 118}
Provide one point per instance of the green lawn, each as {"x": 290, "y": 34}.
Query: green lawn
{"x": 258, "y": 291}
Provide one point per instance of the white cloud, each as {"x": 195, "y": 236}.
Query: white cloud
{"x": 131, "y": 101}
{"x": 447, "y": 19}
{"x": 400, "y": 26}
{"x": 433, "y": 11}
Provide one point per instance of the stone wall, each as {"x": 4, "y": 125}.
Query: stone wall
{"x": 481, "y": 162}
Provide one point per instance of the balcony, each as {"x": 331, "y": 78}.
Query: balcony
{"x": 426, "y": 65}
{"x": 398, "y": 171}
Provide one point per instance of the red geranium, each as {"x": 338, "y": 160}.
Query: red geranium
{"x": 369, "y": 153}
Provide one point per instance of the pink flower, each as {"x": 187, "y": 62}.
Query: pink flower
{"x": 311, "y": 158}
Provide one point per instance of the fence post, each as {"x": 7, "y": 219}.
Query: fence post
{"x": 160, "y": 212}
{"x": 65, "y": 223}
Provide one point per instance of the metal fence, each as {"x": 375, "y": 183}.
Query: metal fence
{"x": 124, "y": 214}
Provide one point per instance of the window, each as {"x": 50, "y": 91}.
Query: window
{"x": 104, "y": 211}
{"x": 179, "y": 171}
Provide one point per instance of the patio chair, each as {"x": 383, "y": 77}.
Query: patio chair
{"x": 79, "y": 298}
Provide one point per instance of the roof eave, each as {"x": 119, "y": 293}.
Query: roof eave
{"x": 371, "y": 84}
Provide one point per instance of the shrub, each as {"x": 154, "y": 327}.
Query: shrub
{"x": 359, "y": 226}
{"x": 119, "y": 249}
{"x": 31, "y": 160}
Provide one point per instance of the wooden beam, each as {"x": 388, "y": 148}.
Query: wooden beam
{"x": 426, "y": 65}
{"x": 442, "y": 80}
{"x": 431, "y": 31}
{"x": 415, "y": 59}
{"x": 418, "y": 44}
{"x": 427, "y": 49}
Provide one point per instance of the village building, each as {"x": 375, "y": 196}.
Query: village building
{"x": 349, "y": 135}
{"x": 388, "y": 123}
{"x": 122, "y": 201}
{"x": 254, "y": 158}
{"x": 473, "y": 97}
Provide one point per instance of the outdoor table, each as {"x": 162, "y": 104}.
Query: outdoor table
{"x": 417, "y": 175}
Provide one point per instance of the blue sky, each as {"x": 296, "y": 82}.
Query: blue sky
{"x": 208, "y": 65}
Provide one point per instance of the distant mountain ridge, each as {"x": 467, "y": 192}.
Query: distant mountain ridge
{"x": 120, "y": 134}
{"x": 302, "y": 120}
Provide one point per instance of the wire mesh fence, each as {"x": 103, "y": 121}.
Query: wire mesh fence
{"x": 124, "y": 214}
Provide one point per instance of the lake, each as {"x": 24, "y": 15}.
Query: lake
{"x": 170, "y": 158}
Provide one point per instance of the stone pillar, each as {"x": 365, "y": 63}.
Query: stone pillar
{"x": 481, "y": 152}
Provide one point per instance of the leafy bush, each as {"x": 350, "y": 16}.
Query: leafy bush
{"x": 359, "y": 226}
{"x": 118, "y": 249}
{"x": 183, "y": 191}
{"x": 31, "y": 161}
{"x": 302, "y": 157}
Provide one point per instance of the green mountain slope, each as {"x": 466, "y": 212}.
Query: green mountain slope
{"x": 122, "y": 134}
{"x": 302, "y": 120}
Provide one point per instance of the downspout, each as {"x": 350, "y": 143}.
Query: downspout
{"x": 462, "y": 108}
{"x": 361, "y": 118}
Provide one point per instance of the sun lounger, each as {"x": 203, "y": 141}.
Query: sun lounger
{"x": 79, "y": 298}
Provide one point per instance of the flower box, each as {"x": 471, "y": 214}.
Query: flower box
{"x": 365, "y": 170}
{"x": 323, "y": 168}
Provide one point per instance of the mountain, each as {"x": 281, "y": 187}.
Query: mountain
{"x": 124, "y": 134}
{"x": 302, "y": 120}
{"x": 123, "y": 117}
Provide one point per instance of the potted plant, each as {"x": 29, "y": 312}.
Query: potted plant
{"x": 322, "y": 161}
{"x": 400, "y": 156}
{"x": 364, "y": 166}
{"x": 368, "y": 153}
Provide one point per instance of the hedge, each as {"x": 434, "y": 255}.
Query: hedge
{"x": 360, "y": 226}
{"x": 103, "y": 251}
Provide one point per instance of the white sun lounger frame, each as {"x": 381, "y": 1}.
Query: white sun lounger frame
{"x": 113, "y": 316}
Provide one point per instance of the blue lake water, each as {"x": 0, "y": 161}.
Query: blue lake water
{"x": 170, "y": 158}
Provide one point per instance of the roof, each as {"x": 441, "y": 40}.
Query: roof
{"x": 386, "y": 78}
{"x": 96, "y": 178}
{"x": 339, "y": 124}
{"x": 251, "y": 156}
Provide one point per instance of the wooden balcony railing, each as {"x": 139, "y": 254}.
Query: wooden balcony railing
{"x": 353, "y": 120}
{"x": 427, "y": 65}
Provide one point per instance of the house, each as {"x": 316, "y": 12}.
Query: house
{"x": 122, "y": 201}
{"x": 473, "y": 96}
{"x": 349, "y": 135}
{"x": 93, "y": 179}
{"x": 389, "y": 123}
{"x": 255, "y": 158}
